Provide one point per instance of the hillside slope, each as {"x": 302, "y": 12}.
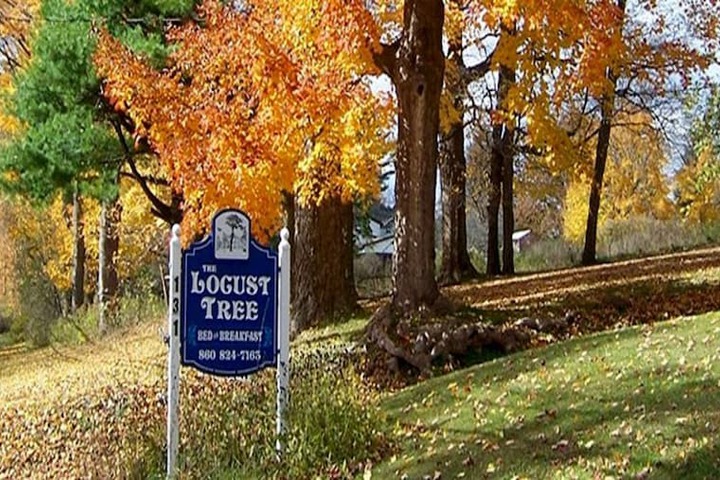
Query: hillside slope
{"x": 63, "y": 407}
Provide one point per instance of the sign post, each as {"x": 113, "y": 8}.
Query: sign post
{"x": 173, "y": 434}
{"x": 283, "y": 366}
{"x": 229, "y": 312}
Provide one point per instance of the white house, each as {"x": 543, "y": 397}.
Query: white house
{"x": 521, "y": 239}
{"x": 378, "y": 237}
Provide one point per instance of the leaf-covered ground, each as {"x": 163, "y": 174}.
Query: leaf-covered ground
{"x": 642, "y": 402}
{"x": 98, "y": 411}
{"x": 62, "y": 410}
{"x": 678, "y": 275}
{"x": 67, "y": 412}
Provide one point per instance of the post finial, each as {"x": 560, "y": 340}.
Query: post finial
{"x": 285, "y": 235}
{"x": 176, "y": 231}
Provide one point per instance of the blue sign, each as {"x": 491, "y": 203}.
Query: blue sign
{"x": 229, "y": 300}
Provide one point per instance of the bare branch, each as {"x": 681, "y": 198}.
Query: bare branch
{"x": 159, "y": 208}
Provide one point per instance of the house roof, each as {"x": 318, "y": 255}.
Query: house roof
{"x": 382, "y": 214}
{"x": 383, "y": 245}
{"x": 520, "y": 234}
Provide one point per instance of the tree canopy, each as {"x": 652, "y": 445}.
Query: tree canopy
{"x": 257, "y": 101}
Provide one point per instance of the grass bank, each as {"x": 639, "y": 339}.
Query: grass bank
{"x": 642, "y": 402}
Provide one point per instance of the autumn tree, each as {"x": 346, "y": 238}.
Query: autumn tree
{"x": 16, "y": 23}
{"x": 415, "y": 64}
{"x": 635, "y": 183}
{"x": 632, "y": 58}
{"x": 525, "y": 43}
{"x": 697, "y": 182}
{"x": 461, "y": 32}
{"x": 66, "y": 140}
{"x": 270, "y": 109}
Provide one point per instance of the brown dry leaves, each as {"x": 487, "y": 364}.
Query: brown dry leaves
{"x": 603, "y": 296}
{"x": 64, "y": 413}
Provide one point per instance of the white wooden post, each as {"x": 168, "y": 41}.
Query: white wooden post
{"x": 173, "y": 434}
{"x": 283, "y": 366}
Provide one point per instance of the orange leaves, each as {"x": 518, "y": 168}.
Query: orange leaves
{"x": 247, "y": 101}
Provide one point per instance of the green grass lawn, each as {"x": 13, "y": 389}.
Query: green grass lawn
{"x": 638, "y": 403}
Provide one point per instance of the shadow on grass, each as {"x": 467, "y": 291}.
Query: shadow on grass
{"x": 703, "y": 463}
{"x": 504, "y": 368}
{"x": 647, "y": 423}
{"x": 589, "y": 438}
{"x": 348, "y": 328}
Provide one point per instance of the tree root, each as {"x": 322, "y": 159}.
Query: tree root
{"x": 423, "y": 342}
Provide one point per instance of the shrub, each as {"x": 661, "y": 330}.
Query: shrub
{"x": 548, "y": 254}
{"x": 82, "y": 325}
{"x": 228, "y": 425}
{"x": 39, "y": 307}
{"x": 643, "y": 235}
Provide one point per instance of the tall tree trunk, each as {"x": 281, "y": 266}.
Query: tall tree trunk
{"x": 493, "y": 230}
{"x": 109, "y": 243}
{"x": 501, "y": 175}
{"x": 323, "y": 277}
{"x": 508, "y": 266}
{"x": 607, "y": 104}
{"x": 78, "y": 267}
{"x": 112, "y": 246}
{"x": 589, "y": 255}
{"x": 416, "y": 66}
{"x": 455, "y": 262}
{"x": 505, "y": 81}
{"x": 102, "y": 265}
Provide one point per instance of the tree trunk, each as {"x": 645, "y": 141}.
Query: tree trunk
{"x": 501, "y": 179}
{"x": 455, "y": 263}
{"x": 607, "y": 103}
{"x": 589, "y": 255}
{"x": 416, "y": 65}
{"x": 417, "y": 73}
{"x": 102, "y": 266}
{"x": 505, "y": 81}
{"x": 508, "y": 266}
{"x": 496, "y": 166}
{"x": 78, "y": 267}
{"x": 112, "y": 246}
{"x": 323, "y": 277}
{"x": 109, "y": 243}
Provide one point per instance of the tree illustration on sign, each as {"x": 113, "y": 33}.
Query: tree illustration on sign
{"x": 234, "y": 222}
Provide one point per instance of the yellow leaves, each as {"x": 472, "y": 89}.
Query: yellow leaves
{"x": 8, "y": 280}
{"x": 454, "y": 22}
{"x": 52, "y": 246}
{"x": 634, "y": 183}
{"x": 142, "y": 235}
{"x": 449, "y": 114}
{"x": 47, "y": 234}
{"x": 343, "y": 161}
{"x": 698, "y": 188}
